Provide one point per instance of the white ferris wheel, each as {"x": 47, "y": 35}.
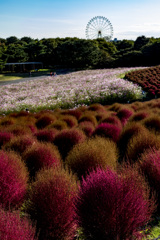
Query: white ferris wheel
{"x": 99, "y": 27}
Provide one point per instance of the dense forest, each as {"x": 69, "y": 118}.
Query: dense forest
{"x": 80, "y": 53}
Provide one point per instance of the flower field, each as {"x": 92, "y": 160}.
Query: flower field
{"x": 85, "y": 173}
{"x": 68, "y": 91}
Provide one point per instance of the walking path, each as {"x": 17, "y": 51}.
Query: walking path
{"x": 2, "y": 83}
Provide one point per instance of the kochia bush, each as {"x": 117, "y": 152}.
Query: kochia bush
{"x": 51, "y": 205}
{"x": 112, "y": 206}
{"x": 91, "y": 154}
{"x": 149, "y": 164}
{"x": 107, "y": 130}
{"x": 20, "y": 144}
{"x": 13, "y": 179}
{"x": 66, "y": 139}
{"x": 13, "y": 227}
{"x": 41, "y": 155}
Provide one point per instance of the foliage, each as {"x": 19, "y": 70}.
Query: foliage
{"x": 91, "y": 154}
{"x": 13, "y": 180}
{"x": 13, "y": 227}
{"x": 107, "y": 130}
{"x": 52, "y": 198}
{"x": 112, "y": 206}
{"x": 66, "y": 139}
{"x": 41, "y": 155}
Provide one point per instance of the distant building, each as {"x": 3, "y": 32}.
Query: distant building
{"x": 22, "y": 67}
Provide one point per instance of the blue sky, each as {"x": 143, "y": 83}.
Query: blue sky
{"x": 68, "y": 18}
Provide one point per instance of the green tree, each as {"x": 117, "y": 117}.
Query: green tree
{"x": 140, "y": 42}
{"x": 151, "y": 53}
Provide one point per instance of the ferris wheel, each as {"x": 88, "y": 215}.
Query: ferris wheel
{"x": 99, "y": 27}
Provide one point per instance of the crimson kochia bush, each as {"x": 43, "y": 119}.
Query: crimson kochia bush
{"x": 112, "y": 206}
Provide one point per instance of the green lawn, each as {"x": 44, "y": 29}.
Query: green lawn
{"x": 15, "y": 76}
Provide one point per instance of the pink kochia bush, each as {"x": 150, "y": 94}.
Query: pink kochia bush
{"x": 108, "y": 130}
{"x": 51, "y": 205}
{"x": 112, "y": 206}
{"x": 12, "y": 227}
{"x": 13, "y": 179}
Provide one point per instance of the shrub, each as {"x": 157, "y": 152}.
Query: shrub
{"x": 96, "y": 107}
{"x": 13, "y": 179}
{"x": 13, "y": 227}
{"x": 138, "y": 144}
{"x": 107, "y": 130}
{"x": 124, "y": 114}
{"x": 88, "y": 116}
{"x": 138, "y": 116}
{"x": 51, "y": 205}
{"x": 45, "y": 120}
{"x": 19, "y": 144}
{"x": 90, "y": 154}
{"x": 70, "y": 120}
{"x": 149, "y": 163}
{"x": 113, "y": 120}
{"x": 5, "y": 137}
{"x": 66, "y": 139}
{"x": 59, "y": 125}
{"x": 87, "y": 127}
{"x": 111, "y": 206}
{"x": 131, "y": 129}
{"x": 19, "y": 130}
{"x": 73, "y": 112}
{"x": 7, "y": 121}
{"x": 115, "y": 107}
{"x": 46, "y": 135}
{"x": 41, "y": 155}
{"x": 152, "y": 123}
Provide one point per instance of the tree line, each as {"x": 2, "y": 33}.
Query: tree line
{"x": 80, "y": 53}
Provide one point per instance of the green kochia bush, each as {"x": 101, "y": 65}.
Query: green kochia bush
{"x": 51, "y": 204}
{"x": 112, "y": 206}
{"x": 92, "y": 153}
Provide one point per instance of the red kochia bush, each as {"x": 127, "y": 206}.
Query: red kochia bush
{"x": 108, "y": 130}
{"x": 124, "y": 114}
{"x": 13, "y": 179}
{"x": 110, "y": 206}
{"x": 149, "y": 164}
{"x": 5, "y": 137}
{"x": 41, "y": 155}
{"x": 12, "y": 227}
{"x": 46, "y": 135}
{"x": 45, "y": 120}
{"x": 51, "y": 205}
{"x": 20, "y": 144}
{"x": 67, "y": 138}
{"x": 87, "y": 127}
